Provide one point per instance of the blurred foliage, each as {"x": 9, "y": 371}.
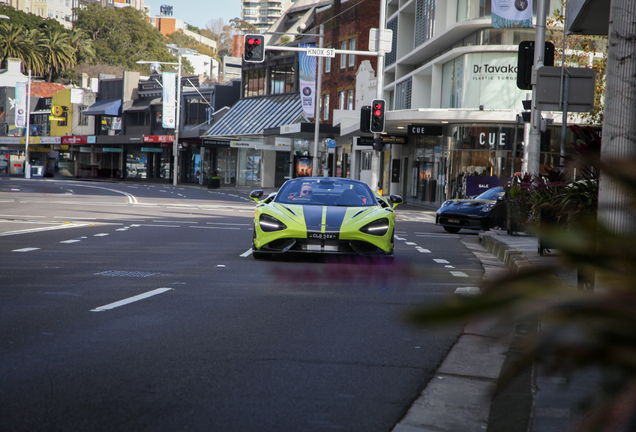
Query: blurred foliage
{"x": 578, "y": 328}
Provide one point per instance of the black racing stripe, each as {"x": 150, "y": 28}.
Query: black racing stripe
{"x": 335, "y": 217}
{"x": 313, "y": 217}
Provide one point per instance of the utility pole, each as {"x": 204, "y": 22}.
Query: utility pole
{"x": 533, "y": 145}
{"x": 315, "y": 165}
{"x": 376, "y": 161}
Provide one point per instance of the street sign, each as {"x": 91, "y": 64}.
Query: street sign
{"x": 581, "y": 94}
{"x": 321, "y": 52}
{"x": 380, "y": 38}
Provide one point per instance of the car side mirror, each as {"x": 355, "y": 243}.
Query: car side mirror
{"x": 256, "y": 195}
{"x": 396, "y": 200}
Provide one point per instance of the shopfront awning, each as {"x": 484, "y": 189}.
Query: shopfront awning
{"x": 252, "y": 116}
{"x": 141, "y": 104}
{"x": 107, "y": 107}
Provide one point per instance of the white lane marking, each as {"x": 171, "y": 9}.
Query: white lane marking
{"x": 399, "y": 238}
{"x": 449, "y": 266}
{"x": 246, "y": 254}
{"x": 163, "y": 226}
{"x": 422, "y": 250}
{"x": 441, "y": 261}
{"x": 122, "y": 229}
{"x": 459, "y": 274}
{"x": 214, "y": 227}
{"x": 220, "y": 266}
{"x": 100, "y": 235}
{"x": 15, "y": 190}
{"x": 163, "y": 191}
{"x": 70, "y": 241}
{"x": 73, "y": 218}
{"x": 410, "y": 243}
{"x": 131, "y": 198}
{"x": 25, "y": 250}
{"x": 9, "y": 233}
{"x": 131, "y": 299}
{"x": 468, "y": 291}
{"x": 222, "y": 223}
{"x": 173, "y": 221}
{"x": 21, "y": 216}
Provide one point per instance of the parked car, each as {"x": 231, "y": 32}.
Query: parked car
{"x": 483, "y": 212}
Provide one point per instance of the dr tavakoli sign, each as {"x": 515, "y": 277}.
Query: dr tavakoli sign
{"x": 511, "y": 13}
{"x": 492, "y": 81}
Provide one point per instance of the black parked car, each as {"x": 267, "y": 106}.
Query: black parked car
{"x": 483, "y": 212}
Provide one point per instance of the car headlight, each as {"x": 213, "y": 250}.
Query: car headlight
{"x": 270, "y": 223}
{"x": 487, "y": 208}
{"x": 377, "y": 228}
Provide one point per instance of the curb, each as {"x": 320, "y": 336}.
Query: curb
{"x": 512, "y": 258}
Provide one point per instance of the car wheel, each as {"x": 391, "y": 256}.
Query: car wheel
{"x": 452, "y": 230}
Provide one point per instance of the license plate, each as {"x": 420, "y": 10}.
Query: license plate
{"x": 322, "y": 236}
{"x": 455, "y": 221}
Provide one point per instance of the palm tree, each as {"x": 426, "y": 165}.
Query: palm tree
{"x": 58, "y": 53}
{"x": 18, "y": 42}
{"x": 82, "y": 44}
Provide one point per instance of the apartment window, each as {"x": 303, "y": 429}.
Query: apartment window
{"x": 403, "y": 95}
{"x": 328, "y": 63}
{"x": 83, "y": 120}
{"x": 424, "y": 21}
{"x": 352, "y": 47}
{"x": 342, "y": 97}
{"x": 325, "y": 108}
{"x": 343, "y": 57}
{"x": 391, "y": 57}
{"x": 350, "y": 100}
{"x": 197, "y": 111}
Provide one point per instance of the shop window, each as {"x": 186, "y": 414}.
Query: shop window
{"x": 254, "y": 83}
{"x": 282, "y": 79}
{"x": 197, "y": 111}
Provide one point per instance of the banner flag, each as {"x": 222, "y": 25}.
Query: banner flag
{"x": 20, "y": 104}
{"x": 511, "y": 13}
{"x": 307, "y": 81}
{"x": 169, "y": 100}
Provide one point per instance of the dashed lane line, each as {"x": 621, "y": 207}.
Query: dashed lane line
{"x": 131, "y": 300}
{"x": 25, "y": 250}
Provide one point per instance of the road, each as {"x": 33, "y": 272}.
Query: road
{"x": 140, "y": 308}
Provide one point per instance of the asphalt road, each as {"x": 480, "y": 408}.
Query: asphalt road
{"x": 139, "y": 308}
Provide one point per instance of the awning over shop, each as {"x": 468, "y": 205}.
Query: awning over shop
{"x": 252, "y": 116}
{"x": 141, "y": 104}
{"x": 107, "y": 107}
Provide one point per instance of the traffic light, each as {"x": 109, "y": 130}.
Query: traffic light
{"x": 527, "y": 114}
{"x": 378, "y": 143}
{"x": 377, "y": 115}
{"x": 365, "y": 118}
{"x": 254, "y": 48}
{"x": 525, "y": 62}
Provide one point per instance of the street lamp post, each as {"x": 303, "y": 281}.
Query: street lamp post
{"x": 317, "y": 103}
{"x": 175, "y": 143}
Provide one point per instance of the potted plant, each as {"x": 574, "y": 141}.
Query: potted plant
{"x": 215, "y": 180}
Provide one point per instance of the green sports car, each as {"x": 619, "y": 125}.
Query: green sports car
{"x": 324, "y": 215}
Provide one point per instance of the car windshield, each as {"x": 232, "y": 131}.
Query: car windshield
{"x": 492, "y": 194}
{"x": 326, "y": 191}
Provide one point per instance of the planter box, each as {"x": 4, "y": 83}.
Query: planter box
{"x": 214, "y": 183}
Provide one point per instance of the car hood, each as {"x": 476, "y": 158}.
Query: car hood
{"x": 466, "y": 205}
{"x": 332, "y": 218}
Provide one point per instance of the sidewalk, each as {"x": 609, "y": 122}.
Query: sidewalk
{"x": 458, "y": 398}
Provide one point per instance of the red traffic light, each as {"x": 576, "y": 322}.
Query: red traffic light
{"x": 377, "y": 112}
{"x": 250, "y": 41}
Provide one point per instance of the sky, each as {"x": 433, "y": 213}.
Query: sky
{"x": 198, "y": 12}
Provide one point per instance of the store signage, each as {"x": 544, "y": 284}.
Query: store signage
{"x": 492, "y": 138}
{"x": 215, "y": 142}
{"x": 385, "y": 140}
{"x": 426, "y": 130}
{"x": 158, "y": 138}
{"x": 151, "y": 150}
{"x": 9, "y": 140}
{"x": 112, "y": 150}
{"x": 50, "y": 140}
{"x": 79, "y": 139}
